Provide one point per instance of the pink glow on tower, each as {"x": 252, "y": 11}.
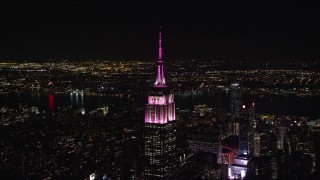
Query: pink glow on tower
{"x": 160, "y": 48}
{"x": 156, "y": 100}
{"x": 160, "y": 81}
{"x": 146, "y": 115}
{"x": 160, "y": 108}
{"x": 162, "y": 74}
{"x": 159, "y": 72}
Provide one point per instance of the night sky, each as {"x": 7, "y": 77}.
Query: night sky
{"x": 42, "y": 30}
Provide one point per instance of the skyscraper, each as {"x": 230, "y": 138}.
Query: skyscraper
{"x": 243, "y": 136}
{"x": 235, "y": 106}
{"x": 235, "y": 99}
{"x": 160, "y": 140}
{"x": 240, "y": 166}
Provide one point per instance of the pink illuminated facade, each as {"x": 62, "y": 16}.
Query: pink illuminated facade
{"x": 160, "y": 109}
{"x": 159, "y": 130}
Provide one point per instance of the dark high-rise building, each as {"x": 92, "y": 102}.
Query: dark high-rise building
{"x": 246, "y": 130}
{"x": 244, "y": 136}
{"x": 259, "y": 168}
{"x": 235, "y": 107}
{"x": 160, "y": 139}
{"x": 235, "y": 99}
{"x": 315, "y": 138}
{"x": 130, "y": 162}
{"x": 240, "y": 166}
{"x": 260, "y": 144}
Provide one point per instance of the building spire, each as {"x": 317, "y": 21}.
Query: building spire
{"x": 160, "y": 81}
{"x": 160, "y": 48}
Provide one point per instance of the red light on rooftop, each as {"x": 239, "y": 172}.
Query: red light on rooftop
{"x": 243, "y": 106}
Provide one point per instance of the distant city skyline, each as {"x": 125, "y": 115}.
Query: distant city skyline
{"x": 124, "y": 30}
{"x": 220, "y": 119}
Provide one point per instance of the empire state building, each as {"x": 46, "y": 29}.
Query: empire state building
{"x": 159, "y": 133}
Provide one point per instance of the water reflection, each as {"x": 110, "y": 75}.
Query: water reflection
{"x": 267, "y": 104}
{"x": 78, "y": 96}
{"x": 51, "y": 102}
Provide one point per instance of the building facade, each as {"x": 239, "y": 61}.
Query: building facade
{"x": 160, "y": 128}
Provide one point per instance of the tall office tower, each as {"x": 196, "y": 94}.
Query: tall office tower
{"x": 244, "y": 137}
{"x": 315, "y": 138}
{"x": 160, "y": 139}
{"x": 240, "y": 166}
{"x": 235, "y": 99}
{"x": 283, "y": 138}
{"x": 235, "y": 107}
{"x": 260, "y": 144}
{"x": 246, "y": 130}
